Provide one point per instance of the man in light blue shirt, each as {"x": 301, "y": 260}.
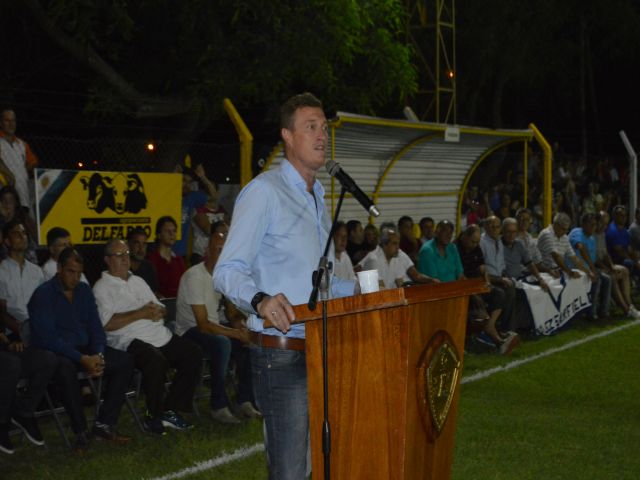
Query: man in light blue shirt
{"x": 277, "y": 236}
{"x": 583, "y": 241}
{"x": 493, "y": 253}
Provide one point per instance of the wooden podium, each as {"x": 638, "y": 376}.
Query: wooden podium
{"x": 394, "y": 361}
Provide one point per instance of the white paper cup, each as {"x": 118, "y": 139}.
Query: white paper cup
{"x": 368, "y": 280}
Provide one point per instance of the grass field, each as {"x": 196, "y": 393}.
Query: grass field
{"x": 569, "y": 408}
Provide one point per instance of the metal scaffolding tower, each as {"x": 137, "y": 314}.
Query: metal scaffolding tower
{"x": 431, "y": 29}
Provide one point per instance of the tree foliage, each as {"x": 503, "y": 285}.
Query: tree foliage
{"x": 166, "y": 57}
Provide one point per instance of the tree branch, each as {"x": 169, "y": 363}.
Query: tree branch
{"x": 141, "y": 105}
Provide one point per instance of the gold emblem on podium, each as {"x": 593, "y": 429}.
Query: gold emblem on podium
{"x": 438, "y": 371}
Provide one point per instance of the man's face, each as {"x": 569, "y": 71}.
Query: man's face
{"x": 138, "y": 246}
{"x": 493, "y": 228}
{"x": 444, "y": 234}
{"x": 307, "y": 140}
{"x": 471, "y": 241}
{"x": 9, "y": 204}
{"x": 58, "y": 246}
{"x": 509, "y": 233}
{"x": 524, "y": 222}
{"x": 371, "y": 235}
{"x": 167, "y": 234}
{"x": 560, "y": 230}
{"x": 8, "y": 122}
{"x": 589, "y": 227}
{"x": 17, "y": 240}
{"x": 117, "y": 260}
{"x": 620, "y": 216}
{"x": 357, "y": 234}
{"x": 406, "y": 229}
{"x": 216, "y": 242}
{"x": 340, "y": 240}
{"x": 426, "y": 229}
{"x": 392, "y": 247}
{"x": 187, "y": 180}
{"x": 70, "y": 274}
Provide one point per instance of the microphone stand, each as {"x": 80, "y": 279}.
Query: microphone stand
{"x": 323, "y": 287}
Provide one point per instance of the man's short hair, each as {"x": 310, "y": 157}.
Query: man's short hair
{"x": 216, "y": 225}
{"x": 470, "y": 230}
{"x": 425, "y": 220}
{"x": 587, "y": 217}
{"x": 619, "y": 208}
{"x": 444, "y": 223}
{"x": 136, "y": 231}
{"x": 10, "y": 225}
{"x": 387, "y": 226}
{"x": 562, "y": 220}
{"x": 288, "y": 109}
{"x": 403, "y": 219}
{"x": 68, "y": 254}
{"x": 109, "y": 245}
{"x": 162, "y": 220}
{"x": 522, "y": 210}
{"x": 509, "y": 221}
{"x": 10, "y": 189}
{"x": 339, "y": 225}
{"x": 56, "y": 233}
{"x": 352, "y": 225}
{"x": 385, "y": 236}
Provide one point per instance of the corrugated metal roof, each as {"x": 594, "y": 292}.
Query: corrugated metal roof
{"x": 425, "y": 173}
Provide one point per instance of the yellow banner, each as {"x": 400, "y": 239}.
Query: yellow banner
{"x": 97, "y": 206}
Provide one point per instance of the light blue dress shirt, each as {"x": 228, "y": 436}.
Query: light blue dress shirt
{"x": 276, "y": 239}
{"x": 493, "y": 253}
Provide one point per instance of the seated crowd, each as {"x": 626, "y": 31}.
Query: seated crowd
{"x": 147, "y": 313}
{"x": 504, "y": 254}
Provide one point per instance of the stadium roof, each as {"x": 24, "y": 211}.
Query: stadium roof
{"x": 412, "y": 168}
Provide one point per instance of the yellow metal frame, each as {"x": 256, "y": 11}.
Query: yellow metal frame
{"x": 546, "y": 174}
{"x": 246, "y": 141}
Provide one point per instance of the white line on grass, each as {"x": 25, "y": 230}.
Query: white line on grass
{"x": 509, "y": 366}
{"x": 258, "y": 447}
{"x": 214, "y": 462}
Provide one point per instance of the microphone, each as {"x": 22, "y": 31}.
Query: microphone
{"x": 335, "y": 170}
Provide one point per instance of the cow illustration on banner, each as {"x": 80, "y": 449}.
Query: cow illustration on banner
{"x": 97, "y": 206}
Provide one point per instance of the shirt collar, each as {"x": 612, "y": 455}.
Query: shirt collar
{"x": 57, "y": 284}
{"x": 293, "y": 178}
{"x": 113, "y": 278}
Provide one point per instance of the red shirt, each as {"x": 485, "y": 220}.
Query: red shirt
{"x": 169, "y": 273}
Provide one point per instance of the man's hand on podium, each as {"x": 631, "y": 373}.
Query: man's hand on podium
{"x": 278, "y": 311}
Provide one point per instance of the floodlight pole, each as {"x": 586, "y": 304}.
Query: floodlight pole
{"x": 633, "y": 174}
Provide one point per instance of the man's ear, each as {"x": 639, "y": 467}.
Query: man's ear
{"x": 286, "y": 135}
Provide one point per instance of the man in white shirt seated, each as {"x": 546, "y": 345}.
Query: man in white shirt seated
{"x": 198, "y": 319}
{"x": 554, "y": 247}
{"x": 18, "y": 280}
{"x": 393, "y": 265}
{"x": 342, "y": 266}
{"x": 133, "y": 318}
{"x": 58, "y": 239}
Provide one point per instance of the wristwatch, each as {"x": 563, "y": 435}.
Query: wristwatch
{"x": 257, "y": 298}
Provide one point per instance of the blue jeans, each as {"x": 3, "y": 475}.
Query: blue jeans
{"x": 217, "y": 348}
{"x": 280, "y": 386}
